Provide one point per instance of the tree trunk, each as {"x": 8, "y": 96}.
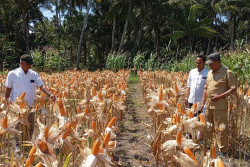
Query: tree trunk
{"x": 123, "y": 34}
{"x": 26, "y": 32}
{"x": 70, "y": 17}
{"x": 85, "y": 49}
{"x": 57, "y": 26}
{"x": 208, "y": 46}
{"x": 246, "y": 37}
{"x": 216, "y": 35}
{"x": 17, "y": 45}
{"x": 177, "y": 48}
{"x": 65, "y": 51}
{"x": 138, "y": 37}
{"x": 210, "y": 39}
{"x": 139, "y": 34}
{"x": 190, "y": 44}
{"x": 232, "y": 30}
{"x": 85, "y": 22}
{"x": 113, "y": 33}
{"x": 157, "y": 41}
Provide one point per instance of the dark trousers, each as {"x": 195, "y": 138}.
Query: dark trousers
{"x": 190, "y": 106}
{"x": 31, "y": 120}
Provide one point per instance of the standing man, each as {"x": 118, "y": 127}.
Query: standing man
{"x": 220, "y": 83}
{"x": 23, "y": 79}
{"x": 196, "y": 80}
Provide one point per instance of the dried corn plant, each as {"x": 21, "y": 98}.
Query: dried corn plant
{"x": 79, "y": 124}
{"x": 174, "y": 124}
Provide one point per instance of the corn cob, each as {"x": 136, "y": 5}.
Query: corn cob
{"x": 213, "y": 152}
{"x": 189, "y": 153}
{"x": 106, "y": 140}
{"x": 219, "y": 163}
{"x": 32, "y": 151}
{"x": 93, "y": 125}
{"x": 86, "y": 110}
{"x": 160, "y": 94}
{"x": 29, "y": 161}
{"x": 39, "y": 165}
{"x": 112, "y": 122}
{"x": 178, "y": 138}
{"x": 22, "y": 96}
{"x": 5, "y": 122}
{"x": 78, "y": 110}
{"x": 202, "y": 119}
{"x": 46, "y": 132}
{"x": 96, "y": 148}
{"x": 61, "y": 107}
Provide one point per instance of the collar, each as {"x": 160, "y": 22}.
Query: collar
{"x": 219, "y": 70}
{"x": 21, "y": 70}
{"x": 200, "y": 71}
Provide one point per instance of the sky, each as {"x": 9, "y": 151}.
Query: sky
{"x": 47, "y": 13}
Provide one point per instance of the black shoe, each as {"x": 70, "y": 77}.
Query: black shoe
{"x": 222, "y": 154}
{"x": 17, "y": 150}
{"x": 201, "y": 141}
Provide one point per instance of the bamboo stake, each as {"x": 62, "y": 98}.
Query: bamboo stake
{"x": 8, "y": 145}
{"x": 245, "y": 136}
{"x": 4, "y": 143}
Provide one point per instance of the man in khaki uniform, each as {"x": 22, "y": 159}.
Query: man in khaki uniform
{"x": 220, "y": 83}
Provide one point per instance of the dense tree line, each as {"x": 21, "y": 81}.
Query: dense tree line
{"x": 84, "y": 32}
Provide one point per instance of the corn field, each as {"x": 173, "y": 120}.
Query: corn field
{"x": 164, "y": 95}
{"x": 79, "y": 128}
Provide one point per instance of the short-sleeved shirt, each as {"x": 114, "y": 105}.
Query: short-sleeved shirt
{"x": 196, "y": 81}
{"x": 21, "y": 82}
{"x": 219, "y": 82}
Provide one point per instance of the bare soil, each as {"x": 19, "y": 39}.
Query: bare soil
{"x": 135, "y": 132}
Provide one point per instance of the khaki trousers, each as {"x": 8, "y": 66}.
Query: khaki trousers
{"x": 216, "y": 118}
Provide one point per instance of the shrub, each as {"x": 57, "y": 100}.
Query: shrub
{"x": 117, "y": 61}
{"x": 139, "y": 61}
{"x": 50, "y": 61}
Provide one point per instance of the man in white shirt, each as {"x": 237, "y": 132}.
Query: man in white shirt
{"x": 196, "y": 81}
{"x": 21, "y": 80}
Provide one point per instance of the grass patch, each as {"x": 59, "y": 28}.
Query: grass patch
{"x": 2, "y": 72}
{"x": 133, "y": 79}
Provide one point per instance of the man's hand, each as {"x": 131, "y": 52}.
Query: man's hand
{"x": 215, "y": 97}
{"x": 52, "y": 97}
{"x": 202, "y": 107}
{"x": 187, "y": 95}
{"x": 46, "y": 91}
{"x": 7, "y": 102}
{"x": 186, "y": 101}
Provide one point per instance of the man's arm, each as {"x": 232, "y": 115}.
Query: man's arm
{"x": 7, "y": 95}
{"x": 188, "y": 88}
{"x": 204, "y": 98}
{"x": 8, "y": 84}
{"x": 231, "y": 83}
{"x": 187, "y": 95}
{"x": 215, "y": 97}
{"x": 46, "y": 91}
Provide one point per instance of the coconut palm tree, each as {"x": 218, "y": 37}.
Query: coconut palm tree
{"x": 85, "y": 22}
{"x": 189, "y": 25}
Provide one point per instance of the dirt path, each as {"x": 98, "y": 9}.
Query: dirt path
{"x": 135, "y": 134}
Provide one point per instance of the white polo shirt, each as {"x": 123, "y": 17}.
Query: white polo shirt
{"x": 21, "y": 82}
{"x": 196, "y": 82}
